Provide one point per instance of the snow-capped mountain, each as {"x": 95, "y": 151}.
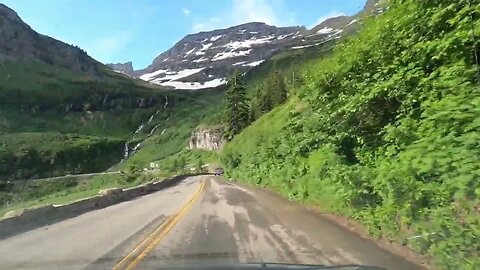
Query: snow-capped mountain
{"x": 204, "y": 60}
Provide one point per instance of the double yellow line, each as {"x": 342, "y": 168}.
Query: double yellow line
{"x": 149, "y": 243}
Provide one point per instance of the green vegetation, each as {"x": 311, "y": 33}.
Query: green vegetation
{"x": 236, "y": 106}
{"x": 386, "y": 131}
{"x": 38, "y": 155}
{"x": 174, "y": 126}
{"x": 55, "y": 122}
{"x": 267, "y": 97}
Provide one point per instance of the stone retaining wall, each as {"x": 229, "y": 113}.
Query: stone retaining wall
{"x": 30, "y": 219}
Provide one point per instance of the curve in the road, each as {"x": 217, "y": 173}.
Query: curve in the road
{"x": 149, "y": 243}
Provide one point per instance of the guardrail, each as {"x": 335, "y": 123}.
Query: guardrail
{"x": 62, "y": 177}
{"x": 30, "y": 219}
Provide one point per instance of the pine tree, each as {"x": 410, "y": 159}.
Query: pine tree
{"x": 237, "y": 109}
{"x": 255, "y": 110}
{"x": 265, "y": 103}
{"x": 279, "y": 89}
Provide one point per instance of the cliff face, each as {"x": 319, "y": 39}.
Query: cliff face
{"x": 125, "y": 68}
{"x": 210, "y": 139}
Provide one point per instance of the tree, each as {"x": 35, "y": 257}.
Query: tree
{"x": 266, "y": 99}
{"x": 237, "y": 108}
{"x": 255, "y": 110}
{"x": 279, "y": 89}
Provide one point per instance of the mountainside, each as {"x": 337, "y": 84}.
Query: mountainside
{"x": 18, "y": 42}
{"x": 62, "y": 112}
{"x": 205, "y": 59}
{"x": 385, "y": 130}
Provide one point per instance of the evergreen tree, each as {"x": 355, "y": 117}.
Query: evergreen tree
{"x": 265, "y": 103}
{"x": 237, "y": 109}
{"x": 279, "y": 89}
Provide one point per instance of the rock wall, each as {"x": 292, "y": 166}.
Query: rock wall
{"x": 210, "y": 139}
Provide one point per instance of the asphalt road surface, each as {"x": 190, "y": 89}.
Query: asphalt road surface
{"x": 202, "y": 221}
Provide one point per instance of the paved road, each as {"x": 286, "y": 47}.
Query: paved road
{"x": 202, "y": 220}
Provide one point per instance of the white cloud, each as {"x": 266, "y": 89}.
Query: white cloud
{"x": 272, "y": 12}
{"x": 253, "y": 11}
{"x": 331, "y": 14}
{"x": 186, "y": 12}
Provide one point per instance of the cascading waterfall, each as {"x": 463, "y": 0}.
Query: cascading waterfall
{"x": 166, "y": 102}
{"x": 138, "y": 129}
{"x": 127, "y": 152}
{"x": 153, "y": 130}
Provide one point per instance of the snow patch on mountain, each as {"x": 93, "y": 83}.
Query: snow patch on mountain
{"x": 215, "y": 38}
{"x": 254, "y": 64}
{"x": 325, "y": 30}
{"x": 148, "y": 76}
{"x": 352, "y": 22}
{"x": 172, "y": 75}
{"x": 248, "y": 43}
{"x": 204, "y": 48}
{"x": 231, "y": 54}
{"x": 195, "y": 85}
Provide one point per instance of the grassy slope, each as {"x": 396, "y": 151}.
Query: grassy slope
{"x": 385, "y": 131}
{"x": 57, "y": 122}
{"x": 39, "y": 137}
{"x": 177, "y": 122}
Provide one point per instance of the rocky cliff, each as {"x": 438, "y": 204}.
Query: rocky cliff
{"x": 125, "y": 68}
{"x": 210, "y": 139}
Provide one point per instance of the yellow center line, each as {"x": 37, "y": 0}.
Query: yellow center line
{"x": 154, "y": 238}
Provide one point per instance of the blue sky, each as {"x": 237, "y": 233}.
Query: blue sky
{"x": 139, "y": 30}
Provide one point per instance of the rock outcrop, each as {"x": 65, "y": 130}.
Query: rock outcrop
{"x": 126, "y": 68}
{"x": 210, "y": 139}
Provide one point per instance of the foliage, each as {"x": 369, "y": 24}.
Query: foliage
{"x": 267, "y": 97}
{"x": 385, "y": 131}
{"x": 236, "y": 107}
{"x": 38, "y": 155}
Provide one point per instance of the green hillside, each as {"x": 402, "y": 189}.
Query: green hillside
{"x": 55, "y": 122}
{"x": 386, "y": 131}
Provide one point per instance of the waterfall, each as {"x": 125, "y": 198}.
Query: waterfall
{"x": 151, "y": 117}
{"x": 126, "y": 151}
{"x": 163, "y": 131}
{"x": 153, "y": 130}
{"x": 134, "y": 150}
{"x": 138, "y": 129}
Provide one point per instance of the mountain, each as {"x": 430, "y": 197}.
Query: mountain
{"x": 19, "y": 42}
{"x": 204, "y": 60}
{"x": 62, "y": 112}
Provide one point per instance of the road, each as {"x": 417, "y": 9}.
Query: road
{"x": 203, "y": 220}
